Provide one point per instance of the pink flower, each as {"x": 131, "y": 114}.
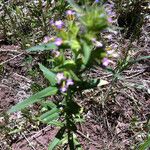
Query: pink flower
{"x": 70, "y": 12}
{"x": 46, "y": 39}
{"x": 59, "y": 24}
{"x": 69, "y": 82}
{"x": 58, "y": 41}
{"x": 63, "y": 89}
{"x": 110, "y": 20}
{"x": 105, "y": 61}
{"x": 60, "y": 77}
{"x": 52, "y": 22}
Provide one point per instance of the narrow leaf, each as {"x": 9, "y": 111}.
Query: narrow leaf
{"x": 57, "y": 139}
{"x": 48, "y": 113}
{"x": 48, "y": 74}
{"x": 54, "y": 144}
{"x": 87, "y": 52}
{"x": 56, "y": 123}
{"x": 34, "y": 98}
{"x": 43, "y": 47}
{"x": 145, "y": 145}
{"x": 51, "y": 117}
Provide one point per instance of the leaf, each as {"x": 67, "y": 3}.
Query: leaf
{"x": 139, "y": 59}
{"x": 145, "y": 145}
{"x": 51, "y": 117}
{"x": 87, "y": 53}
{"x": 34, "y": 98}
{"x": 54, "y": 144}
{"x": 43, "y": 47}
{"x": 56, "y": 123}
{"x": 48, "y": 113}
{"x": 48, "y": 74}
{"x": 57, "y": 139}
{"x": 69, "y": 64}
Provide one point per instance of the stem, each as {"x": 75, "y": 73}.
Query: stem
{"x": 69, "y": 121}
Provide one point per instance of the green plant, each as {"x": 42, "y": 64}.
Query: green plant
{"x": 27, "y": 22}
{"x": 131, "y": 17}
{"x": 73, "y": 52}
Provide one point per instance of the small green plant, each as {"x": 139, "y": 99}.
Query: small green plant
{"x": 131, "y": 17}
{"x": 26, "y": 22}
{"x": 74, "y": 51}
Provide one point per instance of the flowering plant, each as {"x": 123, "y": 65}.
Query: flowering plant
{"x": 73, "y": 51}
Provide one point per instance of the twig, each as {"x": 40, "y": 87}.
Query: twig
{"x": 11, "y": 58}
{"x": 18, "y": 75}
{"x": 80, "y": 133}
{"x": 28, "y": 141}
{"x": 9, "y": 50}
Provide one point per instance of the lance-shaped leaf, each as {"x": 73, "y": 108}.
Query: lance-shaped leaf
{"x": 145, "y": 145}
{"x": 43, "y": 47}
{"x": 48, "y": 74}
{"x": 86, "y": 52}
{"x": 50, "y": 115}
{"x": 34, "y": 98}
{"x": 58, "y": 139}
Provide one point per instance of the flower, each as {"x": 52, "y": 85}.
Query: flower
{"x": 110, "y": 20}
{"x": 52, "y": 22}
{"x": 96, "y": 1}
{"x": 69, "y": 82}
{"x": 63, "y": 89}
{"x": 46, "y": 39}
{"x": 58, "y": 41}
{"x": 105, "y": 61}
{"x": 70, "y": 12}
{"x": 97, "y": 43}
{"x": 59, "y": 24}
{"x": 60, "y": 77}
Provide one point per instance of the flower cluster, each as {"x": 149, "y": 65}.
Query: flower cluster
{"x": 63, "y": 82}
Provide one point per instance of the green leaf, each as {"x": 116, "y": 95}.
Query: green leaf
{"x": 139, "y": 59}
{"x": 48, "y": 113}
{"x": 43, "y": 47}
{"x": 48, "y": 74}
{"x": 86, "y": 52}
{"x": 34, "y": 98}
{"x": 57, "y": 139}
{"x": 48, "y": 104}
{"x": 56, "y": 123}
{"x": 69, "y": 64}
{"x": 50, "y": 118}
{"x": 54, "y": 144}
{"x": 145, "y": 145}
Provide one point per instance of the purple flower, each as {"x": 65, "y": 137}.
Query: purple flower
{"x": 105, "y": 61}
{"x": 46, "y": 39}
{"x": 70, "y": 12}
{"x": 59, "y": 24}
{"x": 110, "y": 20}
{"x": 96, "y": 1}
{"x": 69, "y": 82}
{"x": 63, "y": 89}
{"x": 52, "y": 22}
{"x": 58, "y": 41}
{"x": 60, "y": 77}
